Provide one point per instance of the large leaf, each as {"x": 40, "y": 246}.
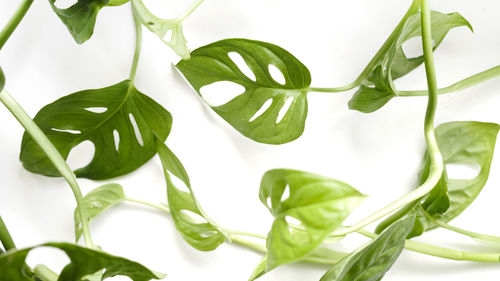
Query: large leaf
{"x": 83, "y": 262}
{"x": 73, "y": 119}
{"x": 372, "y": 262}
{"x": 379, "y": 87}
{"x": 98, "y": 201}
{"x": 464, "y": 143}
{"x": 211, "y": 63}
{"x": 318, "y": 205}
{"x": 189, "y": 218}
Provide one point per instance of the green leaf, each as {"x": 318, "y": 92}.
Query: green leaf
{"x": 371, "y": 262}
{"x": 189, "y": 218}
{"x": 379, "y": 87}
{"x": 161, "y": 27}
{"x": 466, "y": 143}
{"x": 98, "y": 201}
{"x": 83, "y": 262}
{"x": 319, "y": 204}
{"x": 211, "y": 63}
{"x": 74, "y": 113}
{"x": 80, "y": 18}
{"x": 2, "y": 79}
{"x": 117, "y": 2}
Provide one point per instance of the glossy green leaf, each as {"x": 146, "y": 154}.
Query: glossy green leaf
{"x": 211, "y": 63}
{"x": 466, "y": 143}
{"x": 318, "y": 205}
{"x": 189, "y": 218}
{"x": 83, "y": 262}
{"x": 379, "y": 87}
{"x": 372, "y": 262}
{"x": 117, "y": 2}
{"x": 168, "y": 30}
{"x": 98, "y": 201}
{"x": 2, "y": 79}
{"x": 72, "y": 120}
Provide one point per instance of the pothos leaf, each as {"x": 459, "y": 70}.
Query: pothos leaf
{"x": 379, "y": 87}
{"x": 83, "y": 262}
{"x": 465, "y": 143}
{"x": 370, "y": 263}
{"x": 189, "y": 218}
{"x": 2, "y": 79}
{"x": 163, "y": 28}
{"x": 98, "y": 201}
{"x": 318, "y": 204}
{"x": 212, "y": 63}
{"x": 106, "y": 117}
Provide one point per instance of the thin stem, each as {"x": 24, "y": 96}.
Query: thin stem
{"x": 335, "y": 90}
{"x": 138, "y": 45}
{"x": 14, "y": 21}
{"x": 164, "y": 208}
{"x": 436, "y": 168}
{"x": 442, "y": 252}
{"x": 460, "y": 85}
{"x": 190, "y": 10}
{"x": 5, "y": 237}
{"x": 54, "y": 156}
{"x": 45, "y": 273}
{"x": 471, "y": 234}
{"x": 247, "y": 234}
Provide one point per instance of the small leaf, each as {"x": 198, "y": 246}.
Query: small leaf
{"x": 83, "y": 262}
{"x": 371, "y": 262}
{"x": 379, "y": 87}
{"x": 318, "y": 203}
{"x": 98, "y": 201}
{"x": 2, "y": 79}
{"x": 117, "y": 2}
{"x": 124, "y": 105}
{"x": 212, "y": 63}
{"x": 163, "y": 28}
{"x": 203, "y": 235}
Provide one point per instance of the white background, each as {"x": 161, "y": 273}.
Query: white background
{"x": 378, "y": 153}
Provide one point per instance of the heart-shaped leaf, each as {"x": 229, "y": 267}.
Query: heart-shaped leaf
{"x": 379, "y": 87}
{"x": 98, "y": 201}
{"x": 372, "y": 262}
{"x": 83, "y": 262}
{"x": 318, "y": 205}
{"x": 189, "y": 218}
{"x": 107, "y": 117}
{"x": 212, "y": 63}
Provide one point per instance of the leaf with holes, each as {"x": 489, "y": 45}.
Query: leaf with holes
{"x": 168, "y": 30}
{"x": 98, "y": 201}
{"x": 318, "y": 205}
{"x": 379, "y": 87}
{"x": 189, "y": 218}
{"x": 83, "y": 262}
{"x": 256, "y": 112}
{"x": 372, "y": 262}
{"x": 120, "y": 121}
{"x": 465, "y": 143}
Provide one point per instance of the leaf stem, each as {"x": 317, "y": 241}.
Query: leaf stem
{"x": 475, "y": 235}
{"x": 53, "y": 154}
{"x": 190, "y": 10}
{"x": 460, "y": 85}
{"x": 138, "y": 45}
{"x": 441, "y": 252}
{"x": 14, "y": 21}
{"x": 5, "y": 237}
{"x": 45, "y": 273}
{"x": 163, "y": 208}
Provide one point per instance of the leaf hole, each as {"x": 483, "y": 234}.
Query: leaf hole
{"x": 138, "y": 135}
{"x": 74, "y": 132}
{"x": 462, "y": 171}
{"x": 116, "y": 137}
{"x": 412, "y": 48}
{"x": 219, "y": 93}
{"x": 97, "y": 109}
{"x": 208, "y": 234}
{"x": 179, "y": 184}
{"x": 242, "y": 65}
{"x": 284, "y": 109}
{"x": 64, "y": 4}
{"x": 261, "y": 110}
{"x": 286, "y": 193}
{"x": 269, "y": 202}
{"x": 168, "y": 35}
{"x": 276, "y": 74}
{"x": 81, "y": 155}
{"x": 192, "y": 217}
{"x": 292, "y": 221}
{"x": 53, "y": 258}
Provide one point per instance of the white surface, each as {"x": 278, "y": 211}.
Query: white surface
{"x": 378, "y": 153}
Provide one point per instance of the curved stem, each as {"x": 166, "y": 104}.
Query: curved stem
{"x": 54, "y": 156}
{"x": 5, "y": 237}
{"x": 14, "y": 21}
{"x": 335, "y": 90}
{"x": 163, "y": 208}
{"x": 190, "y": 10}
{"x": 460, "y": 85}
{"x": 474, "y": 235}
{"x": 436, "y": 168}
{"x": 138, "y": 45}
